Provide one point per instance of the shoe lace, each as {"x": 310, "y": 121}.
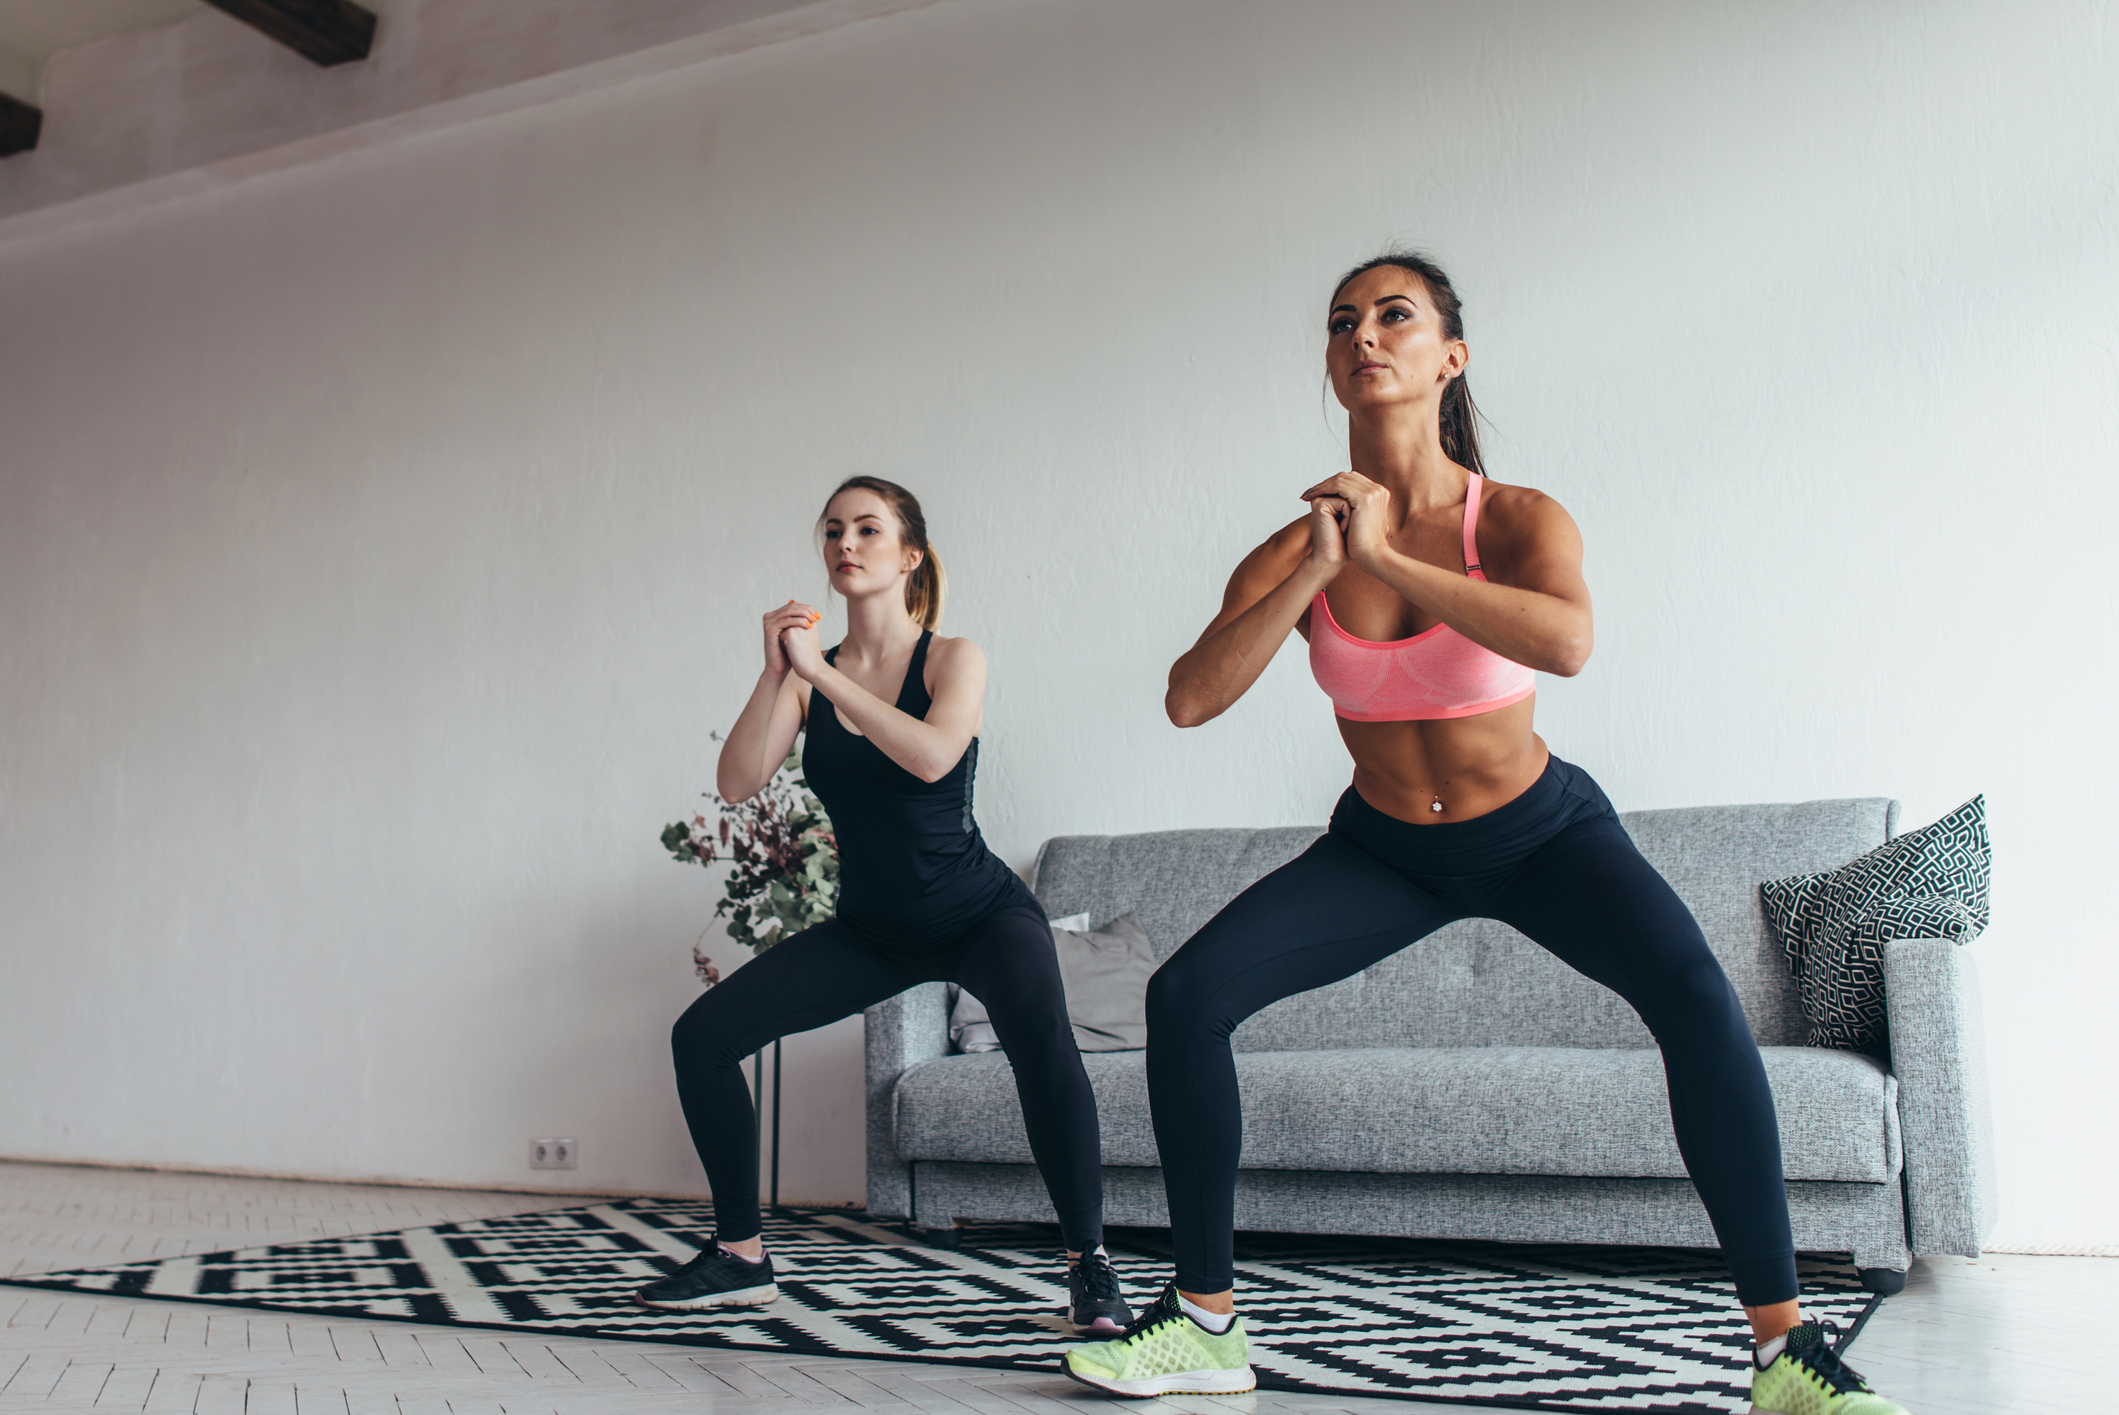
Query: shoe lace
{"x": 1095, "y": 1274}
{"x": 1824, "y": 1359}
{"x": 1165, "y": 1309}
{"x": 692, "y": 1264}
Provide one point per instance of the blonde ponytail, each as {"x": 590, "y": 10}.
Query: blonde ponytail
{"x": 924, "y": 589}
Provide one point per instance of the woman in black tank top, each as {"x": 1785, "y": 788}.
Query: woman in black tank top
{"x": 892, "y": 716}
{"x": 914, "y": 872}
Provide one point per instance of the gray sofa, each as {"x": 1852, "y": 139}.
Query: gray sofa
{"x": 1472, "y": 1086}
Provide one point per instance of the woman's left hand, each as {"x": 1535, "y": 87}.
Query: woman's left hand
{"x": 1368, "y": 518}
{"x": 804, "y": 650}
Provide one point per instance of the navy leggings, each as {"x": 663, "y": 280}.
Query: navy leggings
{"x": 1554, "y": 863}
{"x": 1006, "y": 960}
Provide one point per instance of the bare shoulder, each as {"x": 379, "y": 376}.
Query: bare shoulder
{"x": 953, "y": 658}
{"x": 1522, "y": 518}
{"x": 959, "y": 651}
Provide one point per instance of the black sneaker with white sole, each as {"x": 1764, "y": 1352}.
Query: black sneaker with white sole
{"x": 713, "y": 1278}
{"x": 1093, "y": 1300}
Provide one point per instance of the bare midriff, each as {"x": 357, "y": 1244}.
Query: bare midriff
{"x": 1472, "y": 765}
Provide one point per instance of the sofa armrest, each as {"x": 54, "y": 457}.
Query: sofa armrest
{"x": 1938, "y": 1052}
{"x": 900, "y": 1033}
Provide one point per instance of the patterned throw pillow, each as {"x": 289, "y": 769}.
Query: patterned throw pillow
{"x": 1929, "y": 883}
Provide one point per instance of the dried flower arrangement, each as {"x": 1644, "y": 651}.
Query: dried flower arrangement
{"x": 786, "y": 860}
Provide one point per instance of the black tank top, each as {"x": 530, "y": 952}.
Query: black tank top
{"x": 914, "y": 872}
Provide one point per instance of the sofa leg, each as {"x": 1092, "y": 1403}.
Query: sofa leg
{"x": 949, "y": 1238}
{"x": 1884, "y": 1282}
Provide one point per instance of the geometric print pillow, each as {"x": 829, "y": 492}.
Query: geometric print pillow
{"x": 1928, "y": 883}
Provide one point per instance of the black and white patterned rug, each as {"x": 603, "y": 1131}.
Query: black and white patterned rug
{"x": 1554, "y": 1328}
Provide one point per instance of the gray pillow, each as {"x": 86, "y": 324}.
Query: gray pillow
{"x": 1105, "y": 972}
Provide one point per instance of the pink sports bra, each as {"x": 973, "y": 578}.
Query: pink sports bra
{"x": 1436, "y": 674}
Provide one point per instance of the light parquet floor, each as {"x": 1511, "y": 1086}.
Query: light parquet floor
{"x": 1968, "y": 1337}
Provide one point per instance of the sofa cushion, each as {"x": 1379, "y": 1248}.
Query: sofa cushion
{"x": 1928, "y": 883}
{"x": 1104, "y": 973}
{"x": 1480, "y": 983}
{"x": 1428, "y": 1110}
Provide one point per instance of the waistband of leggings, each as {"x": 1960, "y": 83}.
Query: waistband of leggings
{"x": 1560, "y": 791}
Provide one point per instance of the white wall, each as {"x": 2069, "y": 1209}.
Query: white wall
{"x": 380, "y": 539}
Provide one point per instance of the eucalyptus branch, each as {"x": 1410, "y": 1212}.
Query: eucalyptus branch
{"x": 784, "y": 859}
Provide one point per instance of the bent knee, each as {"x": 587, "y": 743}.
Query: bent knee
{"x": 1696, "y": 997}
{"x": 1180, "y": 998}
{"x": 699, "y": 1037}
{"x": 1028, "y": 1033}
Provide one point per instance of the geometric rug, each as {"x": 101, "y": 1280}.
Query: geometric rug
{"x": 1575, "y": 1328}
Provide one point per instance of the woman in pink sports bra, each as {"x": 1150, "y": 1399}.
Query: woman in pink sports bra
{"x": 1431, "y": 598}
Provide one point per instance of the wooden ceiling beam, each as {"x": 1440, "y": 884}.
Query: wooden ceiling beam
{"x": 19, "y": 125}
{"x": 326, "y": 32}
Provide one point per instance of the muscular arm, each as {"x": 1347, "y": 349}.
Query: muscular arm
{"x": 1267, "y": 596}
{"x": 1541, "y": 618}
{"x": 928, "y": 749}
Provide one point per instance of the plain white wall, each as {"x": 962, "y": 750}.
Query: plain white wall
{"x": 380, "y": 540}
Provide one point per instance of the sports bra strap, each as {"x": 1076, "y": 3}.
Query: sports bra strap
{"x": 916, "y": 671}
{"x": 1471, "y": 528}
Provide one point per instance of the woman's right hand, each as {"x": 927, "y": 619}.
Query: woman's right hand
{"x": 790, "y": 615}
{"x": 1328, "y": 517}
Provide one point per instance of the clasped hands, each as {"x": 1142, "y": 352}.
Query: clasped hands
{"x": 791, "y": 641}
{"x": 1349, "y": 521}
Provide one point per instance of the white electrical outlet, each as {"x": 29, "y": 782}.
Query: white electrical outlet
{"x": 548, "y": 1152}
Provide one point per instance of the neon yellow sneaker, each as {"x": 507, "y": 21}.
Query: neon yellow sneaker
{"x": 1808, "y": 1378}
{"x": 1165, "y": 1352}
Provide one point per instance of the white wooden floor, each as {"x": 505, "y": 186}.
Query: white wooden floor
{"x": 1966, "y": 1338}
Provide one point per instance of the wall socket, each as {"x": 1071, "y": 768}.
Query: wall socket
{"x": 550, "y": 1153}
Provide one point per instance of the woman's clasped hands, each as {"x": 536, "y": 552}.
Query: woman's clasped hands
{"x": 1349, "y": 520}
{"x": 791, "y": 642}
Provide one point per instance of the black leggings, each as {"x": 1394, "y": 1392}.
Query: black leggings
{"x": 1006, "y": 961}
{"x": 1554, "y": 863}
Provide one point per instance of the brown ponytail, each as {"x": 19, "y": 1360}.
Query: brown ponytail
{"x": 924, "y": 589}
{"x": 1460, "y": 417}
{"x": 926, "y": 585}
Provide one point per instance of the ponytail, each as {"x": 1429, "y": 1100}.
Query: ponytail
{"x": 925, "y": 586}
{"x": 1460, "y": 426}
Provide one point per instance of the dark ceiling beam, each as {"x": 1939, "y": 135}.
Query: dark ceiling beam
{"x": 326, "y": 32}
{"x": 19, "y": 125}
